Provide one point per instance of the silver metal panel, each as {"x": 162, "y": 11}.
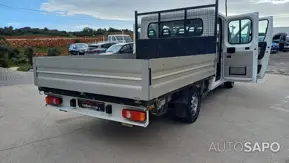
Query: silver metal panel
{"x": 241, "y": 59}
{"x": 126, "y": 78}
{"x": 169, "y": 74}
{"x": 112, "y": 77}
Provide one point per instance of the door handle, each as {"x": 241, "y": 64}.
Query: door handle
{"x": 247, "y": 48}
{"x": 231, "y": 50}
{"x": 229, "y": 56}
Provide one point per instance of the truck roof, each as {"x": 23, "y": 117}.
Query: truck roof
{"x": 177, "y": 14}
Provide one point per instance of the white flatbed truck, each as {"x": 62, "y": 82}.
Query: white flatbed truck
{"x": 180, "y": 56}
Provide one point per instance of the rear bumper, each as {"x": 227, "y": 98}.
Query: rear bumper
{"x": 115, "y": 115}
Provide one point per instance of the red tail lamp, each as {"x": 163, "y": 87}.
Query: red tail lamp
{"x": 51, "y": 100}
{"x": 134, "y": 115}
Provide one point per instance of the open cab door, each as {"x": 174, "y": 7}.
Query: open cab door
{"x": 240, "y": 49}
{"x": 265, "y": 44}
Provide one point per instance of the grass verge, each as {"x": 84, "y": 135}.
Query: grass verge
{"x": 24, "y": 67}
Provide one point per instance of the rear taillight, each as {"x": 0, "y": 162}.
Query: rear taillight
{"x": 134, "y": 115}
{"x": 51, "y": 100}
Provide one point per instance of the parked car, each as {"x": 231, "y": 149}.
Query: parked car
{"x": 78, "y": 48}
{"x": 119, "y": 48}
{"x": 280, "y": 38}
{"x": 286, "y": 46}
{"x": 119, "y": 38}
{"x": 96, "y": 49}
{"x": 275, "y": 47}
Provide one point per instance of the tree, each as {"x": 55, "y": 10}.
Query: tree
{"x": 53, "y": 52}
{"x": 10, "y": 31}
{"x": 29, "y": 53}
{"x": 87, "y": 30}
{"x": 113, "y": 30}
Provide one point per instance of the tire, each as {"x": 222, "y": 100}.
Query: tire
{"x": 186, "y": 106}
{"x": 193, "y": 106}
{"x": 229, "y": 85}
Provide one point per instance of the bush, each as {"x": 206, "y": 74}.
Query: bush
{"x": 53, "y": 52}
{"x": 21, "y": 59}
{"x": 3, "y": 48}
{"x": 77, "y": 41}
{"x": 29, "y": 53}
{"x": 3, "y": 56}
{"x": 24, "y": 67}
{"x": 13, "y": 53}
{"x": 3, "y": 59}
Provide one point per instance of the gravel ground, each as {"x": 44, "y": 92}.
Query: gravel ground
{"x": 279, "y": 63}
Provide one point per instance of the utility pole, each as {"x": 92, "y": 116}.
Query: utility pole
{"x": 122, "y": 35}
{"x": 226, "y": 7}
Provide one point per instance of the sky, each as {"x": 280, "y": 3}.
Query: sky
{"x": 74, "y": 15}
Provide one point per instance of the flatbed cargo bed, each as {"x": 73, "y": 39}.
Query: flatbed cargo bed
{"x": 136, "y": 79}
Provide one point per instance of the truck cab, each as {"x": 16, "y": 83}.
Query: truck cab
{"x": 243, "y": 41}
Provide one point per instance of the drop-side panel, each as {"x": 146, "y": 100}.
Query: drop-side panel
{"x": 169, "y": 74}
{"x": 126, "y": 78}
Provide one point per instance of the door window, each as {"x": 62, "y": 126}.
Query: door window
{"x": 172, "y": 28}
{"x": 263, "y": 26}
{"x": 113, "y": 39}
{"x": 195, "y": 27}
{"x": 153, "y": 30}
{"x": 240, "y": 31}
{"x": 106, "y": 46}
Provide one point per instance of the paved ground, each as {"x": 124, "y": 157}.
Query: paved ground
{"x": 279, "y": 63}
{"x": 33, "y": 133}
{"x": 10, "y": 77}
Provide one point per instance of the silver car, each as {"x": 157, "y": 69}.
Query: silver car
{"x": 96, "y": 49}
{"x": 78, "y": 48}
{"x": 126, "y": 48}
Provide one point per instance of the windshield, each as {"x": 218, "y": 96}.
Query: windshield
{"x": 126, "y": 38}
{"x": 93, "y": 46}
{"x": 81, "y": 45}
{"x": 114, "y": 49}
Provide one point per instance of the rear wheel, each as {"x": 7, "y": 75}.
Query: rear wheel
{"x": 186, "y": 105}
{"x": 193, "y": 106}
{"x": 229, "y": 85}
